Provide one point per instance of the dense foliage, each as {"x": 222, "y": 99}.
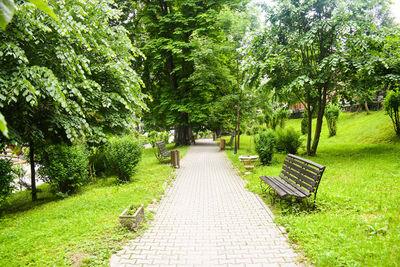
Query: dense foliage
{"x": 122, "y": 157}
{"x": 392, "y": 107}
{"x": 288, "y": 140}
{"x": 190, "y": 62}
{"x": 6, "y": 179}
{"x": 265, "y": 145}
{"x": 276, "y": 116}
{"x": 65, "y": 168}
{"x": 70, "y": 79}
{"x": 303, "y": 53}
{"x": 332, "y": 115}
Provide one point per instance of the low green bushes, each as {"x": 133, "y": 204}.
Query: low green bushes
{"x": 288, "y": 140}
{"x": 64, "y": 167}
{"x": 122, "y": 157}
{"x": 6, "y": 179}
{"x": 265, "y": 144}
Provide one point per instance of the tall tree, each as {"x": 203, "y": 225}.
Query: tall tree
{"x": 165, "y": 32}
{"x": 68, "y": 80}
{"x": 302, "y": 50}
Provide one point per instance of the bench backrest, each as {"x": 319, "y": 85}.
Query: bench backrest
{"x": 301, "y": 173}
{"x": 162, "y": 148}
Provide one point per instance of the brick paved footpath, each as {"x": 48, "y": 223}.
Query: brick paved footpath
{"x": 208, "y": 218}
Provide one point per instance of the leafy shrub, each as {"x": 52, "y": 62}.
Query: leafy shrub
{"x": 249, "y": 131}
{"x": 6, "y": 179}
{"x": 164, "y": 136}
{"x": 304, "y": 122}
{"x": 98, "y": 160}
{"x": 332, "y": 112}
{"x": 64, "y": 167}
{"x": 276, "y": 117}
{"x": 153, "y": 138}
{"x": 265, "y": 143}
{"x": 123, "y": 155}
{"x": 257, "y": 128}
{"x": 288, "y": 140}
{"x": 392, "y": 107}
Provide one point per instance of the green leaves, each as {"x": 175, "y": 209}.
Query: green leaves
{"x": 7, "y": 8}
{"x": 43, "y": 6}
{"x": 3, "y": 125}
{"x": 6, "y": 12}
{"x": 70, "y": 79}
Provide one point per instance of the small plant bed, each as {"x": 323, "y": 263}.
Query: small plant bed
{"x": 355, "y": 220}
{"x": 83, "y": 228}
{"x": 132, "y": 217}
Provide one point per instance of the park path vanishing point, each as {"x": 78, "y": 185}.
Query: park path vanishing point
{"x": 208, "y": 218}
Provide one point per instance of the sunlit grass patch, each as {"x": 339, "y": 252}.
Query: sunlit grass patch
{"x": 356, "y": 219}
{"x": 84, "y": 227}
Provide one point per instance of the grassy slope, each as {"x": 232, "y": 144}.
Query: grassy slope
{"x": 357, "y": 220}
{"x": 85, "y": 225}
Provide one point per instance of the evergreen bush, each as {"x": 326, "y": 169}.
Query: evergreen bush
{"x": 123, "y": 156}
{"x": 332, "y": 112}
{"x": 64, "y": 167}
{"x": 288, "y": 140}
{"x": 392, "y": 107}
{"x": 264, "y": 144}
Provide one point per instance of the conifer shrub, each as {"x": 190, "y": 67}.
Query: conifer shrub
{"x": 332, "y": 112}
{"x": 392, "y": 107}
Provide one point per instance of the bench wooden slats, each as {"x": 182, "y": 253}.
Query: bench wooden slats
{"x": 162, "y": 150}
{"x": 299, "y": 177}
{"x": 298, "y": 187}
{"x": 293, "y": 180}
{"x": 301, "y": 160}
{"x": 304, "y": 181}
{"x": 303, "y": 165}
{"x": 301, "y": 170}
{"x": 282, "y": 188}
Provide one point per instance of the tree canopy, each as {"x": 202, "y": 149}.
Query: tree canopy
{"x": 304, "y": 51}
{"x": 68, "y": 80}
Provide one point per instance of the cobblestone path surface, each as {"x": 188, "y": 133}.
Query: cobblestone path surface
{"x": 208, "y": 218}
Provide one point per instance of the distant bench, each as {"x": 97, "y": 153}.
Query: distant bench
{"x": 299, "y": 178}
{"x": 163, "y": 152}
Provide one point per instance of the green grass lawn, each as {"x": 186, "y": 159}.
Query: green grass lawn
{"x": 357, "y": 217}
{"x": 84, "y": 226}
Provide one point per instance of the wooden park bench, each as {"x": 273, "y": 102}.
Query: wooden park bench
{"x": 299, "y": 178}
{"x": 162, "y": 151}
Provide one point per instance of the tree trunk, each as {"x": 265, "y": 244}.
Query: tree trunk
{"x": 309, "y": 126}
{"x": 33, "y": 173}
{"x": 366, "y": 107}
{"x": 182, "y": 132}
{"x": 320, "y": 119}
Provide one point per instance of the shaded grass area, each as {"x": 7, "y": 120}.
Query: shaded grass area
{"x": 83, "y": 227}
{"x": 356, "y": 219}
